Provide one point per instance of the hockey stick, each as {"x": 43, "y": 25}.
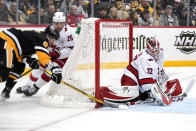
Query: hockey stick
{"x": 23, "y": 74}
{"x": 174, "y": 98}
{"x": 187, "y": 90}
{"x": 185, "y": 93}
{"x": 106, "y": 103}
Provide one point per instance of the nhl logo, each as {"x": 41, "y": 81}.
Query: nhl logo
{"x": 186, "y": 42}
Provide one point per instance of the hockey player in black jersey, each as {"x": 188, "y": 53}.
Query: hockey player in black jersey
{"x": 16, "y": 49}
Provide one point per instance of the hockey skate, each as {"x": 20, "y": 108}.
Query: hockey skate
{"x": 22, "y": 89}
{"x": 6, "y": 93}
{"x": 31, "y": 91}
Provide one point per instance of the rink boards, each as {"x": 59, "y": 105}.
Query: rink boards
{"x": 179, "y": 43}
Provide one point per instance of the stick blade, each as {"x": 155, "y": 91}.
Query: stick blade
{"x": 111, "y": 104}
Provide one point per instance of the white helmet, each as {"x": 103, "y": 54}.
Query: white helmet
{"x": 58, "y": 17}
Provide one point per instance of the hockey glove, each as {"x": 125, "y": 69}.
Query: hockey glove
{"x": 54, "y": 54}
{"x": 56, "y": 74}
{"x": 33, "y": 63}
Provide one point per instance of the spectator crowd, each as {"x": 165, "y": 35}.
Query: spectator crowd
{"x": 141, "y": 12}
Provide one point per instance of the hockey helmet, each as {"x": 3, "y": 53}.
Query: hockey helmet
{"x": 52, "y": 32}
{"x": 153, "y": 47}
{"x": 58, "y": 17}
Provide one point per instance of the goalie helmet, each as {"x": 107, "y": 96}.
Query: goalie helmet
{"x": 52, "y": 32}
{"x": 58, "y": 17}
{"x": 153, "y": 47}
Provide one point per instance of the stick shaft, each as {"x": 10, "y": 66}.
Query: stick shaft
{"x": 78, "y": 90}
{"x": 110, "y": 104}
{"x": 25, "y": 73}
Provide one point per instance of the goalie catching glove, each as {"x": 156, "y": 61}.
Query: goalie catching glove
{"x": 56, "y": 72}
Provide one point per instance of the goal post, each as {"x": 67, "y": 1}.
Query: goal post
{"x": 107, "y": 24}
{"x": 102, "y": 50}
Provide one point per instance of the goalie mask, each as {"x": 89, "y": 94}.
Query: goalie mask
{"x": 153, "y": 48}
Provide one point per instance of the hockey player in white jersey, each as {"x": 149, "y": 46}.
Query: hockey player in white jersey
{"x": 144, "y": 78}
{"x": 59, "y": 53}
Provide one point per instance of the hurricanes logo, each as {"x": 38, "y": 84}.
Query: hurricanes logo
{"x": 186, "y": 42}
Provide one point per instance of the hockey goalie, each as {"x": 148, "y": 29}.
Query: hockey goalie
{"x": 144, "y": 79}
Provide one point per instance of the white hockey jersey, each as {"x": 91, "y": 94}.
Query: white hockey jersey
{"x": 145, "y": 70}
{"x": 66, "y": 41}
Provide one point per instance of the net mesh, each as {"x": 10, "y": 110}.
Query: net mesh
{"x": 79, "y": 70}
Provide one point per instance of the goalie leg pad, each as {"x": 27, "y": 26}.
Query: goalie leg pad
{"x": 122, "y": 94}
{"x": 174, "y": 87}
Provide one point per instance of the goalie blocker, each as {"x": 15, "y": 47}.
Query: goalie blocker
{"x": 131, "y": 94}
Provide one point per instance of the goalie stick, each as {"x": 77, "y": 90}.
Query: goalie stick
{"x": 185, "y": 93}
{"x": 174, "y": 98}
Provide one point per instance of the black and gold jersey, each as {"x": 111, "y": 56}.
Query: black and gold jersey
{"x": 26, "y": 43}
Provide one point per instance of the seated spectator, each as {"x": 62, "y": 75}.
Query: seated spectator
{"x": 28, "y": 6}
{"x": 103, "y": 12}
{"x": 46, "y": 4}
{"x": 134, "y": 4}
{"x": 82, "y": 8}
{"x": 164, "y": 3}
{"x": 183, "y": 17}
{"x": 144, "y": 6}
{"x": 57, "y": 4}
{"x": 159, "y": 3}
{"x": 65, "y": 7}
{"x": 96, "y": 9}
{"x": 176, "y": 7}
{"x": 192, "y": 2}
{"x": 49, "y": 14}
{"x": 120, "y": 14}
{"x": 74, "y": 18}
{"x": 8, "y": 3}
{"x": 113, "y": 14}
{"x": 168, "y": 18}
{"x": 193, "y": 14}
{"x": 145, "y": 19}
{"x": 12, "y": 15}
{"x": 33, "y": 19}
{"x": 134, "y": 17}
{"x": 3, "y": 12}
{"x": 113, "y": 4}
{"x": 159, "y": 12}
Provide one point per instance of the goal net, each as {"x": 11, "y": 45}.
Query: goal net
{"x": 102, "y": 50}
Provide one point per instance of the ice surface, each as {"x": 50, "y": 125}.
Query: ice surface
{"x": 25, "y": 113}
